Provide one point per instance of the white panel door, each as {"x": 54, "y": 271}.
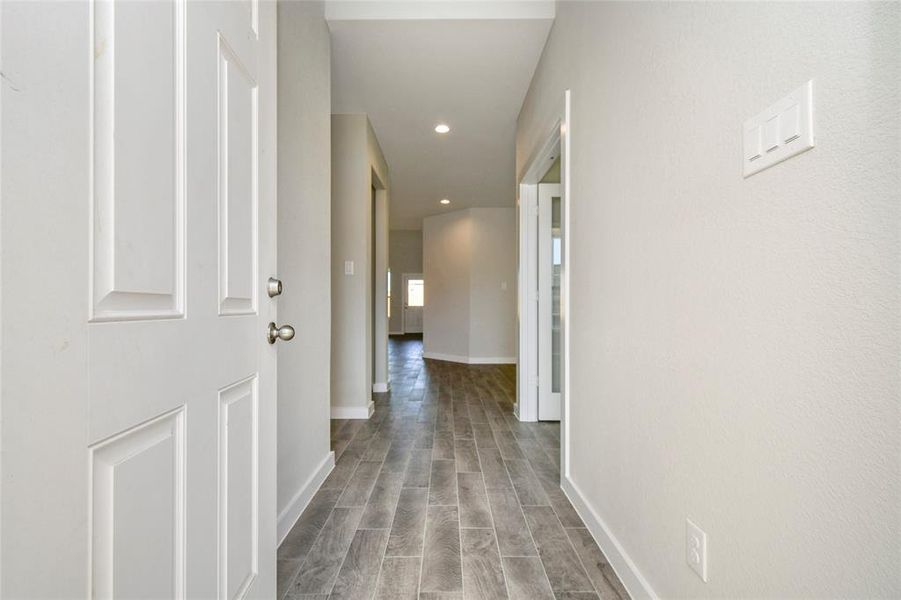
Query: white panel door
{"x": 139, "y": 425}
{"x": 550, "y": 254}
{"x": 414, "y": 300}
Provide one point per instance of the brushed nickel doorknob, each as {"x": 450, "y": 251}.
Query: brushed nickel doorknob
{"x": 274, "y": 287}
{"x": 285, "y": 333}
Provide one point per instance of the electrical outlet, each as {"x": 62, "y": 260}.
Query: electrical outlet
{"x": 696, "y": 549}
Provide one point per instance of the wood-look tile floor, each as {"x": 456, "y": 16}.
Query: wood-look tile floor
{"x": 443, "y": 494}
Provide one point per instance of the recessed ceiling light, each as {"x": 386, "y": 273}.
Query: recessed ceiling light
{"x": 445, "y": 201}
{"x": 442, "y": 128}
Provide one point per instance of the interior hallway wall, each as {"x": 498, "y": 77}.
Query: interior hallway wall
{"x": 469, "y": 267}
{"x": 357, "y": 165}
{"x": 304, "y": 254}
{"x": 404, "y": 256}
{"x": 492, "y": 285}
{"x": 734, "y": 342}
{"x": 446, "y": 251}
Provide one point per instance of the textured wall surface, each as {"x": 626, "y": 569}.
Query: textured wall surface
{"x": 735, "y": 342}
{"x": 447, "y": 255}
{"x": 492, "y": 291}
{"x": 304, "y": 252}
{"x": 355, "y": 157}
{"x": 469, "y": 265}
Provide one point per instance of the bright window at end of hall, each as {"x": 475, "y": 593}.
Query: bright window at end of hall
{"x": 415, "y": 292}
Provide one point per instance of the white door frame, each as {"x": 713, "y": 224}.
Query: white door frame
{"x": 378, "y": 286}
{"x": 403, "y": 299}
{"x": 548, "y": 400}
{"x": 527, "y": 285}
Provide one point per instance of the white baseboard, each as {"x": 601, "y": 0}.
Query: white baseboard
{"x": 633, "y": 580}
{"x": 471, "y": 360}
{"x": 381, "y": 388}
{"x": 395, "y": 333}
{"x": 353, "y": 412}
{"x": 492, "y": 360}
{"x": 447, "y": 357}
{"x": 288, "y": 517}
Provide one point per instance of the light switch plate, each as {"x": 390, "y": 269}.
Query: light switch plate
{"x": 348, "y": 267}
{"x": 783, "y": 130}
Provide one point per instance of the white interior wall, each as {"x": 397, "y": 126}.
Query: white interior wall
{"x": 492, "y": 285}
{"x": 304, "y": 254}
{"x": 469, "y": 257}
{"x": 355, "y": 157}
{"x": 446, "y": 260}
{"x": 404, "y": 256}
{"x": 735, "y": 342}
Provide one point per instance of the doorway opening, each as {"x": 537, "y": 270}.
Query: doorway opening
{"x": 377, "y": 279}
{"x": 543, "y": 285}
{"x": 414, "y": 302}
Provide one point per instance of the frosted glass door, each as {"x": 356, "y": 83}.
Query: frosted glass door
{"x": 550, "y": 263}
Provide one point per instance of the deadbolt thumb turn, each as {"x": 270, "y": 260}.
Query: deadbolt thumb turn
{"x": 285, "y": 333}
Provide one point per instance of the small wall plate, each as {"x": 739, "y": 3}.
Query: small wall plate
{"x": 783, "y": 130}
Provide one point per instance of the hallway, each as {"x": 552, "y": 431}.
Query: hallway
{"x": 445, "y": 494}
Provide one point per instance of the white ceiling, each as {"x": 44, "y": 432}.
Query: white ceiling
{"x": 409, "y": 73}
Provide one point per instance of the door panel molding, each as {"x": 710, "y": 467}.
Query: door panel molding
{"x": 238, "y": 137}
{"x": 239, "y": 481}
{"x": 137, "y": 110}
{"x": 138, "y": 488}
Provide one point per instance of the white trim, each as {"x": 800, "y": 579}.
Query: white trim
{"x": 381, "y": 388}
{"x": 291, "y": 513}
{"x": 622, "y": 563}
{"x": 448, "y": 357}
{"x": 353, "y": 412}
{"x": 565, "y": 162}
{"x": 471, "y": 360}
{"x": 527, "y": 292}
{"x": 359, "y": 10}
{"x": 538, "y": 164}
{"x": 397, "y": 332}
{"x": 492, "y": 360}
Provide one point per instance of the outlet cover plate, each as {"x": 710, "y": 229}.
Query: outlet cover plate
{"x": 696, "y": 549}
